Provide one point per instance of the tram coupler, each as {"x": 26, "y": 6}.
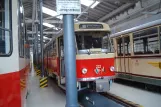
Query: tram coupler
{"x": 102, "y": 85}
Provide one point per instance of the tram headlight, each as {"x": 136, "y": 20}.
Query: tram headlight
{"x": 112, "y": 68}
{"x": 84, "y": 70}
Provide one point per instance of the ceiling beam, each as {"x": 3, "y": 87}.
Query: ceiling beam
{"x": 46, "y": 33}
{"x": 45, "y": 21}
{"x": 135, "y": 14}
{"x": 118, "y": 10}
{"x": 30, "y": 38}
{"x": 124, "y": 1}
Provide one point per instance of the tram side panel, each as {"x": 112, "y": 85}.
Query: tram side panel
{"x": 143, "y": 63}
{"x": 13, "y": 69}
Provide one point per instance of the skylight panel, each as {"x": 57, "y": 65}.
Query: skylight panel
{"x": 89, "y": 2}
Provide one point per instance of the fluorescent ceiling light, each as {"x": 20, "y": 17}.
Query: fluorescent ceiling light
{"x": 60, "y": 17}
{"x": 55, "y": 28}
{"x": 95, "y": 4}
{"x": 76, "y": 20}
{"x": 51, "y": 12}
{"x": 48, "y": 25}
{"x": 44, "y": 37}
{"x": 89, "y": 2}
{"x": 21, "y": 9}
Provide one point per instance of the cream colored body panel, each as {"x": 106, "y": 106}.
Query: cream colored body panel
{"x": 94, "y": 56}
{"x": 139, "y": 66}
{"x": 142, "y": 66}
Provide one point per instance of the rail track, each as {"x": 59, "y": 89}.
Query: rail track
{"x": 120, "y": 100}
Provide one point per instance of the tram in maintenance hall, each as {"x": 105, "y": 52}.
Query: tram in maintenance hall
{"x": 14, "y": 54}
{"x": 94, "y": 58}
{"x": 138, "y": 53}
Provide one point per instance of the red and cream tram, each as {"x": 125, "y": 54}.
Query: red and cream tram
{"x": 14, "y": 54}
{"x": 138, "y": 52}
{"x": 94, "y": 58}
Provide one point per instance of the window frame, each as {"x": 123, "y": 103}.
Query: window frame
{"x": 19, "y": 29}
{"x": 129, "y": 46}
{"x": 10, "y": 31}
{"x": 147, "y": 40}
{"x": 121, "y": 54}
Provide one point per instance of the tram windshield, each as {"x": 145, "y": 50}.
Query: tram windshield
{"x": 93, "y": 40}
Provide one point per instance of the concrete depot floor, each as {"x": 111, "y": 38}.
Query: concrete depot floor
{"x": 139, "y": 96}
{"x": 50, "y": 96}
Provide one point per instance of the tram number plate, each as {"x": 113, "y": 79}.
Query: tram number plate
{"x": 90, "y": 26}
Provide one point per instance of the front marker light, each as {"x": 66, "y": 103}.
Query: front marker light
{"x": 84, "y": 70}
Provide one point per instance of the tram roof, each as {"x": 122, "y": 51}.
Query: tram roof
{"x": 147, "y": 25}
{"x": 105, "y": 28}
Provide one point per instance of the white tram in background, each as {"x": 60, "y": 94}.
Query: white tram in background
{"x": 94, "y": 59}
{"x": 138, "y": 53}
{"x": 14, "y": 54}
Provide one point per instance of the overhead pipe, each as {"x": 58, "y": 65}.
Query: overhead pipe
{"x": 123, "y": 7}
{"x": 36, "y": 36}
{"x": 33, "y": 19}
{"x": 41, "y": 39}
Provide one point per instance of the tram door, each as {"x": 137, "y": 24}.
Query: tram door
{"x": 119, "y": 59}
{"x": 62, "y": 64}
{"x": 127, "y": 55}
{"x": 123, "y": 59}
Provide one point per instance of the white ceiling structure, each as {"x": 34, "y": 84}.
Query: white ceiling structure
{"x": 92, "y": 10}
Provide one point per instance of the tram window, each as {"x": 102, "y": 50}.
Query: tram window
{"x": 91, "y": 40}
{"x": 88, "y": 41}
{"x": 21, "y": 30}
{"x": 5, "y": 27}
{"x": 127, "y": 45}
{"x": 146, "y": 42}
{"x": 119, "y": 47}
{"x": 107, "y": 43}
{"x": 61, "y": 47}
{"x": 54, "y": 48}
